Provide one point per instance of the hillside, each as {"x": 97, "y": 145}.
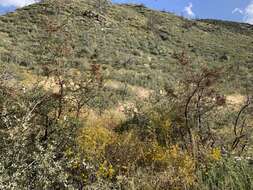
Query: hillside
{"x": 95, "y": 95}
{"x": 134, "y": 44}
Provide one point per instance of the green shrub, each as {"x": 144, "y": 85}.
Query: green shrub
{"x": 226, "y": 174}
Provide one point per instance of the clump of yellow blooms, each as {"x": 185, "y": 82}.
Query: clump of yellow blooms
{"x": 120, "y": 153}
{"x": 154, "y": 152}
{"x": 215, "y": 154}
{"x": 183, "y": 164}
{"x": 174, "y": 151}
{"x": 93, "y": 140}
{"x": 106, "y": 170}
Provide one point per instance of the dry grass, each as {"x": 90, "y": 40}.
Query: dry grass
{"x": 235, "y": 99}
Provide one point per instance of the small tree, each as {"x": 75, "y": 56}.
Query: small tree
{"x": 196, "y": 99}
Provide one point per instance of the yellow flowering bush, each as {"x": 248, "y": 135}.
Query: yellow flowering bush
{"x": 215, "y": 154}
{"x": 155, "y": 155}
{"x": 125, "y": 152}
{"x": 183, "y": 165}
{"x": 93, "y": 140}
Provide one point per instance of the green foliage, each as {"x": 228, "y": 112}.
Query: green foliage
{"x": 226, "y": 174}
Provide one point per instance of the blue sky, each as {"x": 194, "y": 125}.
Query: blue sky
{"x": 4, "y": 9}
{"x": 235, "y": 10}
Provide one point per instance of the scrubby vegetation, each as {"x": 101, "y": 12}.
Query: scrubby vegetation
{"x": 101, "y": 96}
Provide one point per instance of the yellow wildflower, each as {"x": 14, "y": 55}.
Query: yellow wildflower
{"x": 216, "y": 154}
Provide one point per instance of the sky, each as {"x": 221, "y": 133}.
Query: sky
{"x": 234, "y": 10}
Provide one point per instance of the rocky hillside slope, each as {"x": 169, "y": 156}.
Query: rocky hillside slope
{"x": 133, "y": 44}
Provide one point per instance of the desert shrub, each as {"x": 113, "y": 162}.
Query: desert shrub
{"x": 36, "y": 145}
{"x": 114, "y": 155}
{"x": 93, "y": 140}
{"x": 163, "y": 127}
{"x": 124, "y": 153}
{"x": 176, "y": 163}
{"x": 155, "y": 123}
